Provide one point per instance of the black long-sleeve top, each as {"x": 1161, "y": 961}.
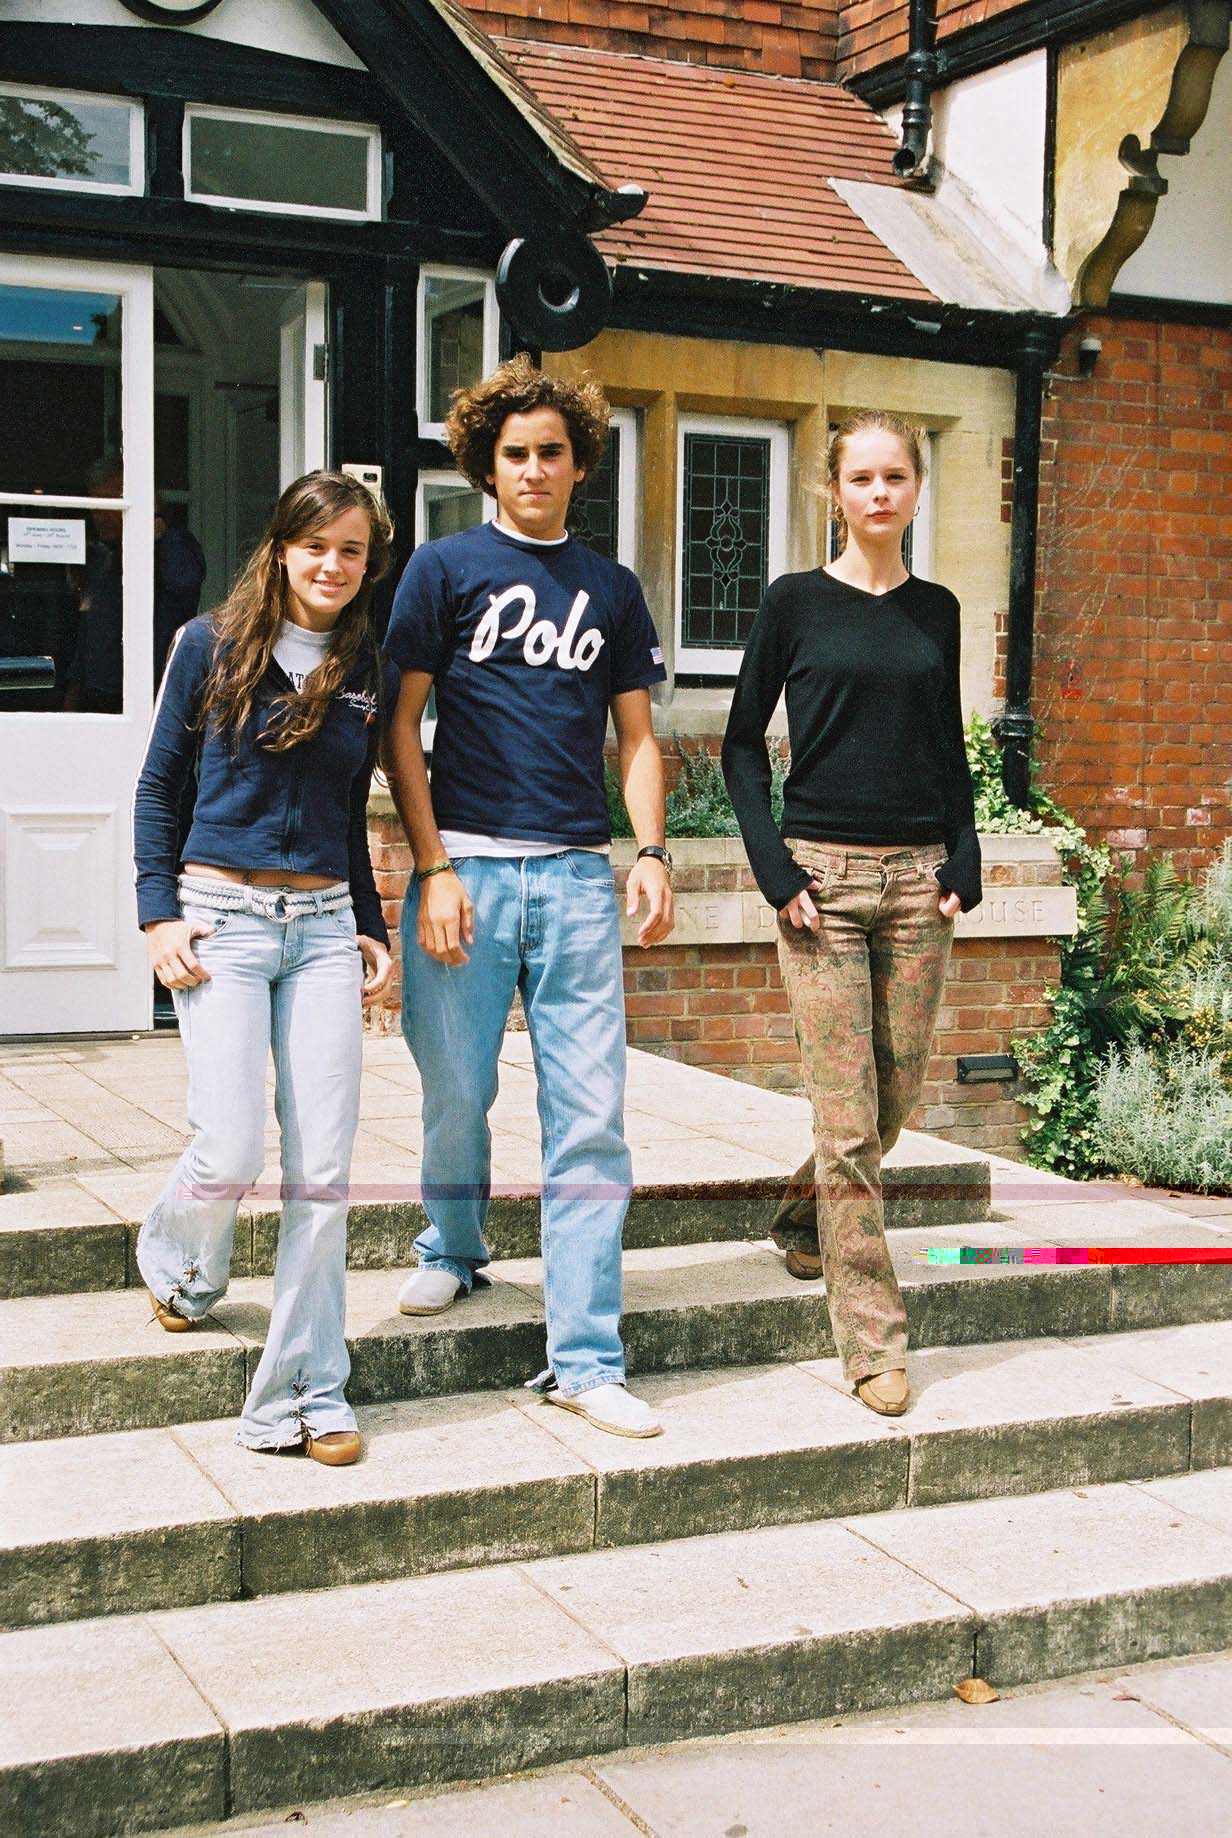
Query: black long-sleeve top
{"x": 874, "y": 724}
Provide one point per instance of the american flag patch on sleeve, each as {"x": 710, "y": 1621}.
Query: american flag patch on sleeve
{"x": 656, "y": 654}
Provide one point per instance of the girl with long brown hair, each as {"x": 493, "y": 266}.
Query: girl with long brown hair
{"x": 878, "y": 854}
{"x": 266, "y": 926}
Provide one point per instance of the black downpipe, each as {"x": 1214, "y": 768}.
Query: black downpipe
{"x": 922, "y": 69}
{"x": 1015, "y": 728}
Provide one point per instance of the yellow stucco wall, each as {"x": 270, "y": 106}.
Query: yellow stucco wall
{"x": 968, "y": 410}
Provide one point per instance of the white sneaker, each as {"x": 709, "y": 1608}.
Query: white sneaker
{"x": 611, "y": 1407}
{"x": 428, "y": 1292}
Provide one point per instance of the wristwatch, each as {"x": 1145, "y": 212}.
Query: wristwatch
{"x": 660, "y": 855}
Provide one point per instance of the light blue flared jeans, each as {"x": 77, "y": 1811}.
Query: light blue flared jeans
{"x": 292, "y": 985}
{"x": 547, "y": 926}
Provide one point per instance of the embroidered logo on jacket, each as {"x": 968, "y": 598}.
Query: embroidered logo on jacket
{"x": 362, "y": 699}
{"x": 540, "y": 639}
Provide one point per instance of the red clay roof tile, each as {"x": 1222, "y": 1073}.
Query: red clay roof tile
{"x": 737, "y": 166}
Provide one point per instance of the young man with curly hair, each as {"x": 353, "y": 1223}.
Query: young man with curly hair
{"x": 530, "y": 640}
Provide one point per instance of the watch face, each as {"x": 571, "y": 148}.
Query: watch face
{"x": 171, "y": 12}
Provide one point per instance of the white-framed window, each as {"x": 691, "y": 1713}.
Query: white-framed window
{"x": 69, "y": 140}
{"x": 731, "y": 534}
{"x": 918, "y": 537}
{"x": 457, "y": 340}
{"x": 294, "y": 165}
{"x": 603, "y": 511}
{"x": 445, "y": 503}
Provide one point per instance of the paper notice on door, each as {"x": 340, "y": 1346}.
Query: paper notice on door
{"x": 46, "y": 539}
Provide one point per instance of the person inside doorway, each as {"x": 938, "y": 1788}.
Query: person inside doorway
{"x": 530, "y": 640}
{"x": 879, "y": 854}
{"x": 96, "y": 672}
{"x": 272, "y": 935}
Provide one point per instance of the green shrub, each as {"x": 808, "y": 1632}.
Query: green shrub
{"x": 698, "y": 804}
{"x": 1165, "y": 1116}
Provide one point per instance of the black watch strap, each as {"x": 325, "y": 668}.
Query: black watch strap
{"x": 660, "y": 855}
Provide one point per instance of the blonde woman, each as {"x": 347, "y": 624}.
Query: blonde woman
{"x": 877, "y": 856}
{"x": 271, "y": 937}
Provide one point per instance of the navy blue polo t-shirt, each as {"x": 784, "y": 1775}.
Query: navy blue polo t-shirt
{"x": 526, "y": 645}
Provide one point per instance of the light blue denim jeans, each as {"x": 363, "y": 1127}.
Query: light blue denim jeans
{"x": 293, "y": 985}
{"x": 547, "y": 926}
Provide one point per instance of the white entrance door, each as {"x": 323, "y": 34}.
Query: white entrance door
{"x": 76, "y": 586}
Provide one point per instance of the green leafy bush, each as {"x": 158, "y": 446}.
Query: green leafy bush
{"x": 1165, "y": 1116}
{"x": 698, "y": 804}
{"x": 1149, "y": 972}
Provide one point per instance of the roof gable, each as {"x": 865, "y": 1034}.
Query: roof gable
{"x": 451, "y": 81}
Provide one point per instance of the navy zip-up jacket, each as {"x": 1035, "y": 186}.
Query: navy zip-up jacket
{"x": 304, "y": 810}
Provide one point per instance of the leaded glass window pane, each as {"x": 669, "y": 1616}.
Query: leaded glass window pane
{"x": 453, "y": 336}
{"x": 726, "y": 547}
{"x": 594, "y": 509}
{"x": 68, "y": 139}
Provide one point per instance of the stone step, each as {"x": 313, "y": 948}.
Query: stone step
{"x": 77, "y": 1365}
{"x": 199, "y": 1712}
{"x": 115, "y": 1524}
{"x": 73, "y": 1237}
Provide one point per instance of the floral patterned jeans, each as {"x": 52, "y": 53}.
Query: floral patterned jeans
{"x": 864, "y": 990}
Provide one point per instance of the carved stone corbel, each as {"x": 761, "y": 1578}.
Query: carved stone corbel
{"x": 1124, "y": 98}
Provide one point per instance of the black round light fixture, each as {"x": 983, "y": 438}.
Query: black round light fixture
{"x": 171, "y": 12}
{"x": 555, "y": 289}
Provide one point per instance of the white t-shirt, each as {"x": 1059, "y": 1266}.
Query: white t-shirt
{"x": 298, "y": 651}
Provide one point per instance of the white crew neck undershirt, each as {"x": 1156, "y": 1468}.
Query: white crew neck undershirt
{"x": 298, "y": 650}
{"x": 532, "y": 542}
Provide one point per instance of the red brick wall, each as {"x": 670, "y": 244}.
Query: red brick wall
{"x": 794, "y": 38}
{"x": 1133, "y": 672}
{"x": 874, "y": 32}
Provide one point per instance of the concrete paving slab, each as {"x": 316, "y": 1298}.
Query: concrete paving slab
{"x": 1114, "y": 1222}
{"x": 718, "y": 1633}
{"x": 101, "y": 1725}
{"x": 70, "y": 1365}
{"x": 59, "y": 1237}
{"x": 1208, "y": 1496}
{"x": 53, "y": 1151}
{"x": 557, "y": 1804}
{"x": 1195, "y": 1360}
{"x": 1023, "y": 1416}
{"x": 436, "y": 1679}
{"x": 1195, "y": 1692}
{"x": 766, "y": 1446}
{"x": 1094, "y": 1763}
{"x": 1072, "y": 1579}
{"x": 444, "y": 1484}
{"x": 110, "y": 1524}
